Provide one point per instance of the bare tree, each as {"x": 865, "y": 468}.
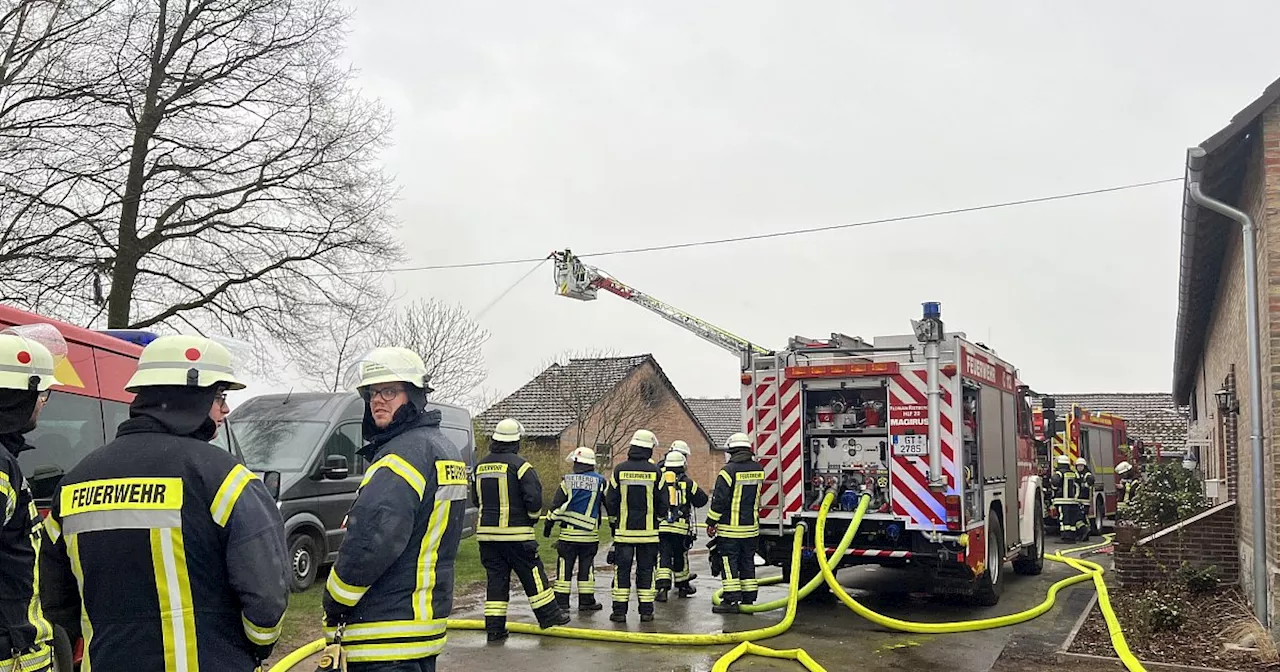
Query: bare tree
{"x": 606, "y": 407}
{"x": 344, "y": 331}
{"x": 448, "y": 339}
{"x": 482, "y": 399}
{"x": 232, "y": 180}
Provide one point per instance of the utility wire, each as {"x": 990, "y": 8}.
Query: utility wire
{"x": 784, "y": 234}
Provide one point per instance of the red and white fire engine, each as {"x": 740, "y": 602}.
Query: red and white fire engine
{"x": 936, "y": 429}
{"x": 1101, "y": 438}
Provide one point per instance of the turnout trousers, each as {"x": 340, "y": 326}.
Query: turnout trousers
{"x": 1072, "y": 521}
{"x": 580, "y": 554}
{"x": 645, "y": 559}
{"x": 673, "y": 564}
{"x": 419, "y": 665}
{"x": 738, "y": 571}
{"x": 500, "y": 558}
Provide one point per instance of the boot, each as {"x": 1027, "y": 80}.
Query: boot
{"x": 726, "y": 607}
{"x": 662, "y": 594}
{"x": 496, "y": 628}
{"x": 562, "y": 599}
{"x": 497, "y": 636}
{"x": 588, "y": 602}
{"x": 646, "y": 618}
{"x": 618, "y": 616}
{"x": 560, "y": 618}
{"x": 685, "y": 590}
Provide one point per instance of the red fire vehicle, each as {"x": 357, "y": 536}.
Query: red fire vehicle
{"x": 1100, "y": 438}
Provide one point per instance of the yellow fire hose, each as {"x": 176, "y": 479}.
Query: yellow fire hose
{"x": 1089, "y": 570}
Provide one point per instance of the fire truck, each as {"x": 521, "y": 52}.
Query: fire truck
{"x": 1101, "y": 438}
{"x": 934, "y": 428}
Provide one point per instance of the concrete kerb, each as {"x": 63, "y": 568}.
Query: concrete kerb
{"x": 1063, "y": 653}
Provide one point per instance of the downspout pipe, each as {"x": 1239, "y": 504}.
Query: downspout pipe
{"x": 1261, "y": 574}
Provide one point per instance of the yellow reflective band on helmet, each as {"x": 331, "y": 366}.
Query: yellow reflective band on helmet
{"x": 399, "y": 466}
{"x": 224, "y": 501}
{"x": 122, "y": 493}
{"x": 343, "y": 592}
{"x": 258, "y": 635}
{"x": 173, "y": 588}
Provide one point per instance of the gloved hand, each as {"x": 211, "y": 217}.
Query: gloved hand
{"x": 612, "y": 556}
{"x": 260, "y": 653}
{"x": 546, "y": 527}
{"x": 711, "y": 530}
{"x": 688, "y": 542}
{"x": 613, "y": 528}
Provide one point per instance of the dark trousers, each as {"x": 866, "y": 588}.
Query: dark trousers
{"x": 582, "y": 555}
{"x": 645, "y": 558}
{"x": 1071, "y": 521}
{"x": 419, "y": 665}
{"x": 500, "y": 558}
{"x": 673, "y": 563}
{"x": 738, "y": 578}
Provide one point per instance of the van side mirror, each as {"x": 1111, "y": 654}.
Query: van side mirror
{"x": 271, "y": 479}
{"x": 335, "y": 468}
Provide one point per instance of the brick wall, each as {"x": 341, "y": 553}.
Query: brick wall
{"x": 667, "y": 417}
{"x": 1208, "y": 538}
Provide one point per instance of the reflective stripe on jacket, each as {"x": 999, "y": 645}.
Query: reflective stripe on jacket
{"x": 577, "y": 506}
{"x": 1066, "y": 487}
{"x": 177, "y": 552}
{"x": 509, "y": 495}
{"x": 632, "y": 502}
{"x": 393, "y": 581}
{"x": 735, "y": 500}
{"x": 23, "y": 627}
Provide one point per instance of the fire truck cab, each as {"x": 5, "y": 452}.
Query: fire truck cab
{"x": 936, "y": 429}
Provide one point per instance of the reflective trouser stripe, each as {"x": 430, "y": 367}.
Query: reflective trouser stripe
{"x": 173, "y": 585}
{"x": 544, "y": 595}
{"x": 564, "y": 582}
{"x": 495, "y": 608}
{"x": 579, "y": 536}
{"x": 86, "y": 626}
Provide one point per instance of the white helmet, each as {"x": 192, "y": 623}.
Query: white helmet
{"x": 1062, "y": 459}
{"x": 388, "y": 365}
{"x": 674, "y": 460}
{"x": 180, "y": 360}
{"x": 509, "y": 431}
{"x": 1081, "y": 462}
{"x": 582, "y": 455}
{"x": 680, "y": 447}
{"x": 1123, "y": 468}
{"x": 644, "y": 438}
{"x": 28, "y": 356}
{"x": 738, "y": 441}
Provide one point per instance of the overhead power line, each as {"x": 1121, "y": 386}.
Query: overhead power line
{"x": 785, "y": 234}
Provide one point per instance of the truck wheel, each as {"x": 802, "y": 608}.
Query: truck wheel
{"x": 1099, "y": 516}
{"x": 303, "y": 562}
{"x": 63, "y": 652}
{"x": 1031, "y": 562}
{"x": 991, "y": 583}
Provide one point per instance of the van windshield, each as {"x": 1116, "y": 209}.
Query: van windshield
{"x": 277, "y": 445}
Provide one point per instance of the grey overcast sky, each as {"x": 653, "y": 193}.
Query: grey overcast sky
{"x": 523, "y": 127}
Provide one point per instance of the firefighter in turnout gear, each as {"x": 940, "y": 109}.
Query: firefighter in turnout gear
{"x": 734, "y": 521}
{"x": 635, "y": 510}
{"x": 1085, "y": 497}
{"x": 576, "y": 508}
{"x": 1066, "y": 496}
{"x": 391, "y": 590}
{"x": 509, "y": 495}
{"x": 26, "y": 374}
{"x": 676, "y": 532}
{"x": 168, "y": 550}
{"x": 1128, "y": 485}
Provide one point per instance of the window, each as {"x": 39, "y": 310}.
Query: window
{"x": 462, "y": 439}
{"x": 113, "y": 414}
{"x": 277, "y": 445}
{"x": 70, "y": 428}
{"x": 345, "y": 441}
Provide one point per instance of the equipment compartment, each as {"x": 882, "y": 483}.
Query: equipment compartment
{"x": 847, "y": 449}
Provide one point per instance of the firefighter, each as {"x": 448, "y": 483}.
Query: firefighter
{"x": 734, "y": 521}
{"x": 634, "y": 513}
{"x": 676, "y": 532}
{"x": 677, "y": 446}
{"x": 1066, "y": 496}
{"x": 576, "y": 508}
{"x": 1085, "y": 475}
{"x": 509, "y": 495}
{"x": 26, "y": 374}
{"x": 175, "y": 550}
{"x": 1128, "y": 485}
{"x": 391, "y": 589}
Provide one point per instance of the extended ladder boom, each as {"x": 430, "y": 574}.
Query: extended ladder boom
{"x": 577, "y": 280}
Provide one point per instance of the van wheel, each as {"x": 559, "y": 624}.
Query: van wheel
{"x": 63, "y": 652}
{"x": 1031, "y": 562}
{"x": 303, "y": 562}
{"x": 989, "y": 586}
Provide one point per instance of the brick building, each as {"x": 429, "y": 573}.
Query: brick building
{"x": 1210, "y": 352}
{"x": 599, "y": 403}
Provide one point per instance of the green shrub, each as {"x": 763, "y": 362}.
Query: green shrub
{"x": 1200, "y": 580}
{"x": 1162, "y": 612}
{"x": 1168, "y": 493}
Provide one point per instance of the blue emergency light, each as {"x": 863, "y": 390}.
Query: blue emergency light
{"x": 135, "y": 336}
{"x": 932, "y": 310}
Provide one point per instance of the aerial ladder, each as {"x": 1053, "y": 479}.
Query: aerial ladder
{"x": 577, "y": 280}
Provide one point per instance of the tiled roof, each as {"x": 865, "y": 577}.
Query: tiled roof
{"x": 549, "y": 403}
{"x": 1150, "y": 416}
{"x": 719, "y": 417}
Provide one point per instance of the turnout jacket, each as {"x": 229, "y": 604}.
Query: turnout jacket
{"x": 509, "y": 495}
{"x": 1066, "y": 487}
{"x": 169, "y": 553}
{"x": 632, "y": 500}
{"x": 577, "y": 506}
{"x": 735, "y": 500}
{"x": 23, "y": 628}
{"x": 683, "y": 496}
{"x": 392, "y": 585}
{"x": 1086, "y": 487}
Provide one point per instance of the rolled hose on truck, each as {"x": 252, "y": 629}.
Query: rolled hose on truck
{"x": 1089, "y": 570}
